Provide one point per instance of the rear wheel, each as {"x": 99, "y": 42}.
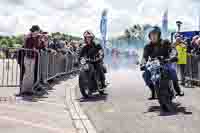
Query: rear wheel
{"x": 100, "y": 87}
{"x": 102, "y": 92}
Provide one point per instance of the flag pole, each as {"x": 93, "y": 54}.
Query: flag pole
{"x": 103, "y": 28}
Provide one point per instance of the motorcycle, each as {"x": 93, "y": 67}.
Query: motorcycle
{"x": 162, "y": 83}
{"x": 89, "y": 78}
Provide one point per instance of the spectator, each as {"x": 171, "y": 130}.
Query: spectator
{"x": 195, "y": 38}
{"x": 182, "y": 56}
{"x": 57, "y": 44}
{"x": 189, "y": 45}
{"x": 66, "y": 44}
{"x": 194, "y": 45}
{"x": 44, "y": 40}
{"x": 74, "y": 46}
{"x": 197, "y": 50}
{"x": 32, "y": 42}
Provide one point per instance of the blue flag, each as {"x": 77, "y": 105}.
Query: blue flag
{"x": 103, "y": 28}
{"x": 165, "y": 23}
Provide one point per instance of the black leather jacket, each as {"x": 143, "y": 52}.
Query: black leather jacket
{"x": 162, "y": 48}
{"x": 92, "y": 52}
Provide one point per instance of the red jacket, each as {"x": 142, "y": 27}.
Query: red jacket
{"x": 33, "y": 41}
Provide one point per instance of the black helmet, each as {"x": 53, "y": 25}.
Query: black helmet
{"x": 35, "y": 28}
{"x": 155, "y": 29}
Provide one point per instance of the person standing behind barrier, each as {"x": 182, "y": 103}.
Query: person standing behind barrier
{"x": 194, "y": 45}
{"x": 57, "y": 44}
{"x": 196, "y": 51}
{"x": 74, "y": 46}
{"x": 44, "y": 41}
{"x": 31, "y": 60}
{"x": 182, "y": 57}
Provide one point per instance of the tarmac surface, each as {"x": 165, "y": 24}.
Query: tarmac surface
{"x": 126, "y": 109}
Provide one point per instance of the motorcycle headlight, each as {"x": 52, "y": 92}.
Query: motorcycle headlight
{"x": 86, "y": 67}
{"x": 83, "y": 61}
{"x": 157, "y": 76}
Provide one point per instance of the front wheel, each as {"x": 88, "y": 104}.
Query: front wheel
{"x": 84, "y": 85}
{"x": 165, "y": 96}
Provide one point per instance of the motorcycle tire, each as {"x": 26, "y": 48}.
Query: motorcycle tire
{"x": 166, "y": 106}
{"x": 84, "y": 85}
{"x": 165, "y": 97}
{"x": 105, "y": 69}
{"x": 102, "y": 92}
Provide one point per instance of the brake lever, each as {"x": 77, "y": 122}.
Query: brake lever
{"x": 160, "y": 58}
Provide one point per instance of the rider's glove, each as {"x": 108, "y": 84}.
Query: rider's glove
{"x": 160, "y": 58}
{"x": 167, "y": 61}
{"x": 142, "y": 67}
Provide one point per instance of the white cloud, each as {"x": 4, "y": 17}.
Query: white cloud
{"x": 74, "y": 16}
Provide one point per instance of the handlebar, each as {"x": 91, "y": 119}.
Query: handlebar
{"x": 161, "y": 59}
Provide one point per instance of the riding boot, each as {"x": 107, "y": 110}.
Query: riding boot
{"x": 103, "y": 83}
{"x": 103, "y": 78}
{"x": 177, "y": 88}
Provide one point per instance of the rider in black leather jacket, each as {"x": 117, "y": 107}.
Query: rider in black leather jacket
{"x": 156, "y": 48}
{"x": 92, "y": 50}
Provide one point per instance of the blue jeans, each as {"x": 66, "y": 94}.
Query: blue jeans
{"x": 169, "y": 67}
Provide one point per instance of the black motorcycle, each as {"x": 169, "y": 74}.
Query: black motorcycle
{"x": 89, "y": 78}
{"x": 161, "y": 81}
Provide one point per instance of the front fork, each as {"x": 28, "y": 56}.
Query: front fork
{"x": 156, "y": 88}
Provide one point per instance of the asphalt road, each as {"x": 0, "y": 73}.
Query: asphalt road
{"x": 127, "y": 110}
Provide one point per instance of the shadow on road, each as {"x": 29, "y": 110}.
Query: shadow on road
{"x": 33, "y": 98}
{"x": 48, "y": 88}
{"x": 178, "y": 110}
{"x": 94, "y": 98}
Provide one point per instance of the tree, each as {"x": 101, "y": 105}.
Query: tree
{"x": 10, "y": 42}
{"x": 127, "y": 33}
{"x": 4, "y": 42}
{"x": 19, "y": 39}
{"x": 136, "y": 32}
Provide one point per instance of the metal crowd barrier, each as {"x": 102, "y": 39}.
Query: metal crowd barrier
{"x": 53, "y": 65}
{"x": 9, "y": 68}
{"x": 13, "y": 63}
{"x": 191, "y": 70}
{"x": 17, "y": 66}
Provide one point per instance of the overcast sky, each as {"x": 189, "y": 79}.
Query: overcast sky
{"x": 75, "y": 16}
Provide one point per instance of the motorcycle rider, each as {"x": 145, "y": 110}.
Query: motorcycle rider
{"x": 92, "y": 50}
{"x": 156, "y": 48}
